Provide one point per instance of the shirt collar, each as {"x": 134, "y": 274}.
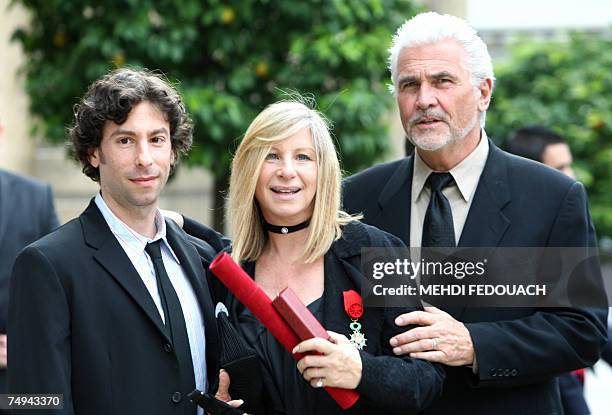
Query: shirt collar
{"x": 127, "y": 234}
{"x": 466, "y": 174}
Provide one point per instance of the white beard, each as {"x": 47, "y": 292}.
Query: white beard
{"x": 435, "y": 140}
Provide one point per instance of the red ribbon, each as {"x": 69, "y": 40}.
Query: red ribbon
{"x": 353, "y": 304}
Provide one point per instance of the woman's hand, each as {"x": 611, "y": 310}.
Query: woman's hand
{"x": 338, "y": 363}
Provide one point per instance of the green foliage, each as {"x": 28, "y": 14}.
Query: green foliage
{"x": 232, "y": 58}
{"x": 565, "y": 86}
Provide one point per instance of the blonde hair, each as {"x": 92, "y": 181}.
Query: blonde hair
{"x": 275, "y": 123}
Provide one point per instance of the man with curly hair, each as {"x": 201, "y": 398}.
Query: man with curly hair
{"x": 112, "y": 310}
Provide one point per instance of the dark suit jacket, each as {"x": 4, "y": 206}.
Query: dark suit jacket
{"x": 389, "y": 384}
{"x": 518, "y": 203}
{"x": 572, "y": 395}
{"x": 83, "y": 324}
{"x": 26, "y": 214}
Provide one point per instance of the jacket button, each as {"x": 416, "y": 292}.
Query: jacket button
{"x": 167, "y": 348}
{"x": 514, "y": 372}
{"x": 176, "y": 397}
{"x": 492, "y": 372}
{"x": 506, "y": 372}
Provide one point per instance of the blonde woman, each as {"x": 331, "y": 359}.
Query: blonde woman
{"x": 289, "y": 231}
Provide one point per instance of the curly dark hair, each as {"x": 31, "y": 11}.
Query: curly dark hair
{"x": 112, "y": 97}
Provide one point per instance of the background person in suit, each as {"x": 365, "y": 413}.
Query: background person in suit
{"x": 112, "y": 309}
{"x": 26, "y": 214}
{"x": 502, "y": 361}
{"x": 545, "y": 146}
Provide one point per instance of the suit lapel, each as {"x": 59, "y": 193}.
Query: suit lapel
{"x": 342, "y": 274}
{"x": 192, "y": 266}
{"x": 486, "y": 223}
{"x": 336, "y": 282}
{"x": 4, "y": 204}
{"x": 113, "y": 258}
{"x": 394, "y": 202}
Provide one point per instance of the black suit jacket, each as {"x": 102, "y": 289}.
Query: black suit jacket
{"x": 519, "y": 351}
{"x": 83, "y": 324}
{"x": 389, "y": 384}
{"x": 26, "y": 214}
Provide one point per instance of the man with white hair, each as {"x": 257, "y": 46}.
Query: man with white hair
{"x": 459, "y": 189}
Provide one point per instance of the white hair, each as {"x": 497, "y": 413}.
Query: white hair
{"x": 431, "y": 27}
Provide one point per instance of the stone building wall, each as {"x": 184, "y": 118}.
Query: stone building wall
{"x": 190, "y": 192}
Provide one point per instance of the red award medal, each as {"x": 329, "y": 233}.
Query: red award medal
{"x": 353, "y": 305}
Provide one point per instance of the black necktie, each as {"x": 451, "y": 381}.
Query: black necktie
{"x": 438, "y": 230}
{"x": 175, "y": 322}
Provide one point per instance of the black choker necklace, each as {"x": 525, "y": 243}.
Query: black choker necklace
{"x": 285, "y": 229}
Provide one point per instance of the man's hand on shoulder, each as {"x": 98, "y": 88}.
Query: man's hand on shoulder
{"x": 175, "y": 216}
{"x": 439, "y": 338}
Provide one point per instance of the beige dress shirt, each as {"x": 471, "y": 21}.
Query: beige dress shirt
{"x": 460, "y": 194}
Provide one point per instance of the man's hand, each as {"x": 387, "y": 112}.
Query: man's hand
{"x": 440, "y": 338}
{"x": 2, "y": 351}
{"x": 338, "y": 364}
{"x": 223, "y": 391}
